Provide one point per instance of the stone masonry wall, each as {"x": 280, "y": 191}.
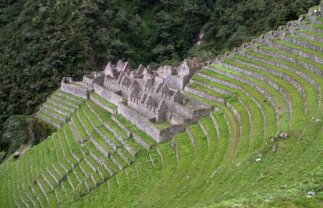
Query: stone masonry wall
{"x": 75, "y": 90}
{"x": 108, "y": 95}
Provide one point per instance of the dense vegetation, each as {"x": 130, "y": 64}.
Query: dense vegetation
{"x": 41, "y": 41}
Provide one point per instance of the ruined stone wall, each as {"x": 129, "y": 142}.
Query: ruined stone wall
{"x": 148, "y": 110}
{"x": 174, "y": 82}
{"x": 263, "y": 39}
{"x": 108, "y": 95}
{"x": 76, "y": 90}
{"x": 140, "y": 121}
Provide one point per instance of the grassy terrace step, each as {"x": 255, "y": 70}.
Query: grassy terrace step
{"x": 70, "y": 96}
{"x": 143, "y": 136}
{"x": 185, "y": 171}
{"x": 59, "y": 116}
{"x": 49, "y": 119}
{"x": 320, "y": 27}
{"x": 308, "y": 64}
{"x": 245, "y": 92}
{"x": 60, "y": 104}
{"x": 311, "y": 73}
{"x": 311, "y": 84}
{"x": 292, "y": 95}
{"x": 257, "y": 124}
{"x": 233, "y": 127}
{"x": 313, "y": 44}
{"x": 104, "y": 103}
{"x": 98, "y": 139}
{"x": 317, "y": 35}
{"x": 58, "y": 109}
{"x": 113, "y": 142}
{"x": 303, "y": 49}
{"x": 63, "y": 99}
{"x": 306, "y": 90}
{"x": 245, "y": 124}
{"x": 111, "y": 167}
{"x": 279, "y": 100}
{"x": 106, "y": 118}
{"x": 100, "y": 127}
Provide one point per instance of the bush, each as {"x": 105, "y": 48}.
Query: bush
{"x": 16, "y": 131}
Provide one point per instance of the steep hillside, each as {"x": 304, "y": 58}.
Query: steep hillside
{"x": 42, "y": 41}
{"x": 261, "y": 146}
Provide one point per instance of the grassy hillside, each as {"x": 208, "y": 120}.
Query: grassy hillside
{"x": 262, "y": 145}
{"x": 42, "y": 41}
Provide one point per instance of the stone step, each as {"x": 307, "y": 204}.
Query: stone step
{"x": 130, "y": 134}
{"x": 27, "y": 193}
{"x": 218, "y": 90}
{"x": 21, "y": 199}
{"x": 57, "y": 180}
{"x": 141, "y": 142}
{"x": 205, "y": 133}
{"x": 83, "y": 171}
{"x": 261, "y": 90}
{"x": 99, "y": 147}
{"x": 75, "y": 132}
{"x": 291, "y": 58}
{"x": 59, "y": 99}
{"x": 37, "y": 197}
{"x": 309, "y": 34}
{"x": 54, "y": 114}
{"x": 304, "y": 42}
{"x": 203, "y": 95}
{"x": 236, "y": 113}
{"x": 192, "y": 139}
{"x": 100, "y": 161}
{"x": 82, "y": 124}
{"x": 90, "y": 164}
{"x": 42, "y": 190}
{"x": 115, "y": 134}
{"x": 240, "y": 89}
{"x": 47, "y": 119}
{"x": 124, "y": 128}
{"x": 78, "y": 178}
{"x": 61, "y": 105}
{"x": 316, "y": 20}
{"x": 69, "y": 146}
{"x": 57, "y": 109}
{"x": 273, "y": 84}
{"x": 297, "y": 51}
{"x": 48, "y": 182}
{"x": 70, "y": 97}
{"x": 69, "y": 181}
{"x": 296, "y": 69}
{"x": 116, "y": 162}
{"x": 279, "y": 75}
{"x": 102, "y": 105}
{"x": 99, "y": 132}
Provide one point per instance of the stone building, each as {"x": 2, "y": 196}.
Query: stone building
{"x": 153, "y": 96}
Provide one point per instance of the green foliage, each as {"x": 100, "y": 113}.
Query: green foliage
{"x": 16, "y": 131}
{"x": 234, "y": 22}
{"x": 2, "y": 155}
{"x": 40, "y": 130}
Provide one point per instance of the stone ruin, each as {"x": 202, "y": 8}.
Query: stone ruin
{"x": 151, "y": 100}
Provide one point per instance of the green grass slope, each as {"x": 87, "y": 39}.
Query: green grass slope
{"x": 233, "y": 157}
